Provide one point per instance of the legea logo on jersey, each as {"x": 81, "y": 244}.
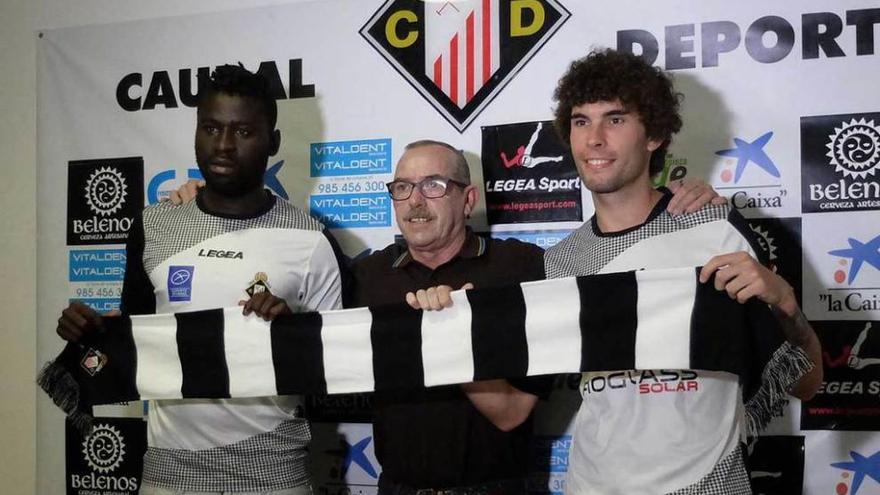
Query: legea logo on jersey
{"x": 180, "y": 280}
{"x": 857, "y": 472}
{"x": 749, "y": 171}
{"x": 460, "y": 54}
{"x": 840, "y": 162}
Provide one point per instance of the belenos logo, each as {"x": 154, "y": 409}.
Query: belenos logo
{"x": 105, "y": 191}
{"x": 103, "y": 196}
{"x": 854, "y": 148}
{"x": 840, "y": 158}
{"x": 459, "y": 55}
{"x": 104, "y": 449}
{"x": 109, "y": 460}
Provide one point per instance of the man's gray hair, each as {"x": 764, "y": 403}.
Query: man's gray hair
{"x": 462, "y": 172}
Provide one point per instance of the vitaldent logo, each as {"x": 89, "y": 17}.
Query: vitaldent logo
{"x": 840, "y": 159}
{"x": 752, "y": 174}
{"x": 459, "y": 55}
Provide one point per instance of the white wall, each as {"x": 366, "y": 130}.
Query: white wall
{"x": 20, "y": 20}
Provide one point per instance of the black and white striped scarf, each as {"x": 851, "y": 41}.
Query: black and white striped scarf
{"x": 651, "y": 319}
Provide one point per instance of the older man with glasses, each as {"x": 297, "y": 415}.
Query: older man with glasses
{"x": 472, "y": 438}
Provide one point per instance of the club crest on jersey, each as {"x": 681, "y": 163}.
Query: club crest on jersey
{"x": 460, "y": 55}
{"x": 93, "y": 362}
{"x": 260, "y": 283}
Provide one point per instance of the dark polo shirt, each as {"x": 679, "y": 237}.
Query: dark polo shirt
{"x": 435, "y": 437}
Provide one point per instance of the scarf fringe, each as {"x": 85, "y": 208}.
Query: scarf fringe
{"x": 788, "y": 364}
{"x": 60, "y": 385}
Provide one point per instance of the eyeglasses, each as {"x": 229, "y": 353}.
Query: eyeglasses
{"x": 430, "y": 187}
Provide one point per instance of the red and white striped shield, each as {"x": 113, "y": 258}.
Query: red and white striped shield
{"x": 462, "y": 47}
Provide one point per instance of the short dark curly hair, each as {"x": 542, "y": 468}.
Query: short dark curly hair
{"x": 237, "y": 81}
{"x": 608, "y": 75}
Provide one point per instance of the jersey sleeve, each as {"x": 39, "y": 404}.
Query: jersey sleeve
{"x": 137, "y": 290}
{"x": 327, "y": 283}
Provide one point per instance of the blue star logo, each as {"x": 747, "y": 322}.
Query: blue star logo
{"x": 270, "y": 178}
{"x": 753, "y": 152}
{"x": 860, "y": 252}
{"x": 861, "y": 466}
{"x": 355, "y": 454}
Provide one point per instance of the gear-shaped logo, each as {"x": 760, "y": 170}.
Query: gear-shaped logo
{"x": 765, "y": 241}
{"x": 104, "y": 449}
{"x": 106, "y": 191}
{"x": 854, "y": 148}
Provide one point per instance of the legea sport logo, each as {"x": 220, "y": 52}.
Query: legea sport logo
{"x": 460, "y": 54}
{"x": 840, "y": 162}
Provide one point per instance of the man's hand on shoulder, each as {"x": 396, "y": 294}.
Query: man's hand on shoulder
{"x": 78, "y": 320}
{"x": 433, "y": 298}
{"x": 691, "y": 194}
{"x": 743, "y": 277}
{"x": 185, "y": 193}
{"x": 265, "y": 305}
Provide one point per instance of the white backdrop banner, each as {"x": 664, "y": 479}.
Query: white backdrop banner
{"x": 781, "y": 114}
